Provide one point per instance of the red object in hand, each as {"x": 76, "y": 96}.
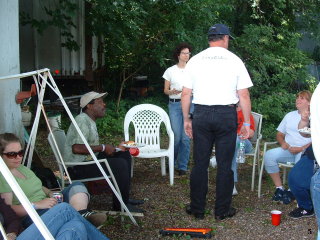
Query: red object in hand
{"x": 134, "y": 151}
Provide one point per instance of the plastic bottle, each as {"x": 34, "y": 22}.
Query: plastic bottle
{"x": 241, "y": 149}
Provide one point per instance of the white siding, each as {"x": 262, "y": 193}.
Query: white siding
{"x": 10, "y": 113}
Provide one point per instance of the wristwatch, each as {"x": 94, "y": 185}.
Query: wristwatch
{"x": 190, "y": 115}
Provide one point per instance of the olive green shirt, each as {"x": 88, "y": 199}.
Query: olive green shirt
{"x": 31, "y": 186}
{"x": 89, "y": 130}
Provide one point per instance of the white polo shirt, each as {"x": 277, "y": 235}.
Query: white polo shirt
{"x": 215, "y": 75}
{"x": 175, "y": 76}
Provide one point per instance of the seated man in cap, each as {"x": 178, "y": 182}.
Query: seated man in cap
{"x": 93, "y": 107}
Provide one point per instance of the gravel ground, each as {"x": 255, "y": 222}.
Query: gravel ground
{"x": 164, "y": 207}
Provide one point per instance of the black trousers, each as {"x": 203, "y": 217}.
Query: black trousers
{"x": 120, "y": 164}
{"x": 213, "y": 125}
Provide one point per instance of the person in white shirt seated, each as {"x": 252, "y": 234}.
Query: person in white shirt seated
{"x": 292, "y": 145}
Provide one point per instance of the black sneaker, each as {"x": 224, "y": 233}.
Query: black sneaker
{"x": 287, "y": 197}
{"x": 133, "y": 208}
{"x": 278, "y": 195}
{"x": 197, "y": 215}
{"x": 300, "y": 213}
{"x": 232, "y": 211}
{"x": 135, "y": 201}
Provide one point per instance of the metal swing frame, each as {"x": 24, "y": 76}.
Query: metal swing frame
{"x": 42, "y": 79}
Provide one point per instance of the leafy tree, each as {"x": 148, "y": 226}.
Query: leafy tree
{"x": 137, "y": 36}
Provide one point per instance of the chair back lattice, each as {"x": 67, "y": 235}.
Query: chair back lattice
{"x": 146, "y": 119}
{"x": 60, "y": 137}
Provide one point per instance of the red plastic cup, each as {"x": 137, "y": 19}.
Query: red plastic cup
{"x": 134, "y": 151}
{"x": 276, "y": 217}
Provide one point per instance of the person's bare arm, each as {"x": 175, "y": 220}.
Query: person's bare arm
{"x": 251, "y": 133}
{"x": 281, "y": 140}
{"x": 185, "y": 104}
{"x": 245, "y": 105}
{"x": 19, "y": 209}
{"x": 167, "y": 90}
{"x": 82, "y": 149}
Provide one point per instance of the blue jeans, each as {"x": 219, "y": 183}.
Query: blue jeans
{"x": 181, "y": 140}
{"x": 247, "y": 149}
{"x": 64, "y": 223}
{"x": 315, "y": 194}
{"x": 68, "y": 192}
{"x": 278, "y": 155}
{"x": 213, "y": 125}
{"x": 299, "y": 182}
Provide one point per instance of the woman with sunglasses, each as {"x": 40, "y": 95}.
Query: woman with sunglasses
{"x": 41, "y": 198}
{"x": 173, "y": 84}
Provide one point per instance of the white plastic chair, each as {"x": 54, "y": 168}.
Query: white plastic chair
{"x": 281, "y": 165}
{"x": 146, "y": 119}
{"x": 60, "y": 137}
{"x": 255, "y": 153}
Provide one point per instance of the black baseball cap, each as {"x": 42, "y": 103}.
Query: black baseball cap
{"x": 219, "y": 29}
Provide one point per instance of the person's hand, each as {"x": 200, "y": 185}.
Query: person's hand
{"x": 244, "y": 132}
{"x": 174, "y": 91}
{"x": 285, "y": 145}
{"x": 46, "y": 203}
{"x": 188, "y": 127}
{"x": 122, "y": 147}
{"x": 295, "y": 150}
{"x": 109, "y": 150}
{"x": 11, "y": 236}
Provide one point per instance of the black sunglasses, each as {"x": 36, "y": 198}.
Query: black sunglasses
{"x": 14, "y": 154}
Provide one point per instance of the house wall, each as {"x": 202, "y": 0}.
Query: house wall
{"x": 10, "y": 113}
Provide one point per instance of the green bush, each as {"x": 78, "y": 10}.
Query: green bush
{"x": 273, "y": 107}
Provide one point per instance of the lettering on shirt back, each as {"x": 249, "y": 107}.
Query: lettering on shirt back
{"x": 213, "y": 58}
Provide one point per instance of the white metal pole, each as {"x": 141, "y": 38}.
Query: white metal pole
{"x": 24, "y": 201}
{"x": 3, "y": 232}
{"x": 41, "y": 88}
{"x": 54, "y": 87}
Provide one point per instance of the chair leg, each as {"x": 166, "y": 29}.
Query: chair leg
{"x": 258, "y": 159}
{"x": 163, "y": 166}
{"x": 260, "y": 178}
{"x": 284, "y": 176}
{"x": 253, "y": 172}
{"x": 171, "y": 169}
{"x": 132, "y": 164}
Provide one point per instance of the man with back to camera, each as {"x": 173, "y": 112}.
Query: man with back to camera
{"x": 93, "y": 108}
{"x": 218, "y": 80}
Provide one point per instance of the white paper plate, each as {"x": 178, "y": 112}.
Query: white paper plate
{"x": 305, "y": 131}
{"x": 138, "y": 145}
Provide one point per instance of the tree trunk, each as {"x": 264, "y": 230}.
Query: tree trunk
{"x": 124, "y": 79}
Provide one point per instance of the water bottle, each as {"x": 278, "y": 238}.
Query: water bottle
{"x": 241, "y": 149}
